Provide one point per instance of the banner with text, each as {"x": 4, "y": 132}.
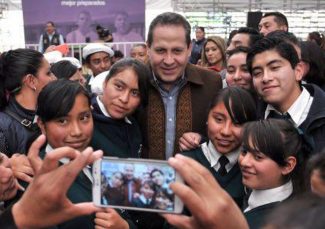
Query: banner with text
{"x": 77, "y": 20}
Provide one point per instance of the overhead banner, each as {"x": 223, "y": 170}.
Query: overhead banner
{"x": 77, "y": 20}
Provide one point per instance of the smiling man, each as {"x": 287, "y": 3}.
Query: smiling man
{"x": 277, "y": 72}
{"x": 179, "y": 92}
{"x": 97, "y": 57}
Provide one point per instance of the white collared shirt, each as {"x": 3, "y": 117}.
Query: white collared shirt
{"x": 66, "y": 160}
{"x": 144, "y": 199}
{"x": 299, "y": 110}
{"x": 104, "y": 111}
{"x": 263, "y": 197}
{"x": 212, "y": 155}
{"x": 92, "y": 78}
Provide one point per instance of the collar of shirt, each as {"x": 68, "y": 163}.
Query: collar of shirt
{"x": 66, "y": 160}
{"x": 298, "y": 111}
{"x": 177, "y": 85}
{"x": 91, "y": 80}
{"x": 212, "y": 155}
{"x": 103, "y": 110}
{"x": 144, "y": 199}
{"x": 263, "y": 197}
{"x": 50, "y": 35}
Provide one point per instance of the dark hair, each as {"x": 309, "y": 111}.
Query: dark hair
{"x": 318, "y": 38}
{"x": 14, "y": 66}
{"x": 284, "y": 49}
{"x": 277, "y": 139}
{"x": 285, "y": 36}
{"x": 51, "y": 22}
{"x": 279, "y": 18}
{"x": 316, "y": 162}
{"x": 140, "y": 70}
{"x": 254, "y": 35}
{"x": 102, "y": 32}
{"x": 150, "y": 183}
{"x": 170, "y": 18}
{"x": 239, "y": 49}
{"x": 156, "y": 170}
{"x": 306, "y": 212}
{"x": 118, "y": 54}
{"x": 200, "y": 28}
{"x": 63, "y": 69}
{"x": 231, "y": 35}
{"x": 57, "y": 99}
{"x": 312, "y": 54}
{"x": 238, "y": 102}
{"x": 143, "y": 45}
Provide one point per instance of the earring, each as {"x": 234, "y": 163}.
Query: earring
{"x": 34, "y": 88}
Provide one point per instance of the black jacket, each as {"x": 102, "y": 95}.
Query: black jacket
{"x": 14, "y": 136}
{"x": 115, "y": 137}
{"x": 314, "y": 125}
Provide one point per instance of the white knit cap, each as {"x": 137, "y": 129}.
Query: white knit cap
{"x": 53, "y": 56}
{"x": 96, "y": 47}
{"x": 73, "y": 61}
{"x": 97, "y": 84}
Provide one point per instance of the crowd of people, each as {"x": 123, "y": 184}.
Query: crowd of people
{"x": 242, "y": 121}
{"x": 149, "y": 189}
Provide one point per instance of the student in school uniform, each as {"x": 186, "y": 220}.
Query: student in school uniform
{"x": 272, "y": 162}
{"x": 277, "y": 73}
{"x": 145, "y": 199}
{"x": 229, "y": 110}
{"x": 116, "y": 132}
{"x": 70, "y": 123}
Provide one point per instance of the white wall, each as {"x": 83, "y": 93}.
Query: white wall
{"x": 154, "y": 8}
{"x": 12, "y": 27}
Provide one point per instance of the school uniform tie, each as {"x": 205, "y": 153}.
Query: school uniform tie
{"x": 223, "y": 161}
{"x": 276, "y": 115}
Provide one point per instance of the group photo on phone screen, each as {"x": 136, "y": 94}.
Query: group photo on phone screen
{"x": 137, "y": 185}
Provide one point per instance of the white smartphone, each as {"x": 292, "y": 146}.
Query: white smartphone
{"x": 135, "y": 184}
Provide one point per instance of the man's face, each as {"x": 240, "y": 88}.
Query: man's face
{"x": 121, "y": 23}
{"x": 158, "y": 178}
{"x": 129, "y": 172}
{"x": 147, "y": 191}
{"x": 199, "y": 34}
{"x": 99, "y": 62}
{"x": 275, "y": 80}
{"x": 83, "y": 20}
{"x": 317, "y": 183}
{"x": 169, "y": 53}
{"x": 240, "y": 39}
{"x": 49, "y": 28}
{"x": 268, "y": 24}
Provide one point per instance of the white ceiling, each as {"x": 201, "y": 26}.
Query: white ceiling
{"x": 246, "y": 5}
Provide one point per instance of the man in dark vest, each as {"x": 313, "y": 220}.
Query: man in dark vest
{"x": 50, "y": 37}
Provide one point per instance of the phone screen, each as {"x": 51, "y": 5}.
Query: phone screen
{"x": 137, "y": 185}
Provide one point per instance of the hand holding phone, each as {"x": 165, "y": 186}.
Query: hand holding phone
{"x": 210, "y": 205}
{"x": 135, "y": 184}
